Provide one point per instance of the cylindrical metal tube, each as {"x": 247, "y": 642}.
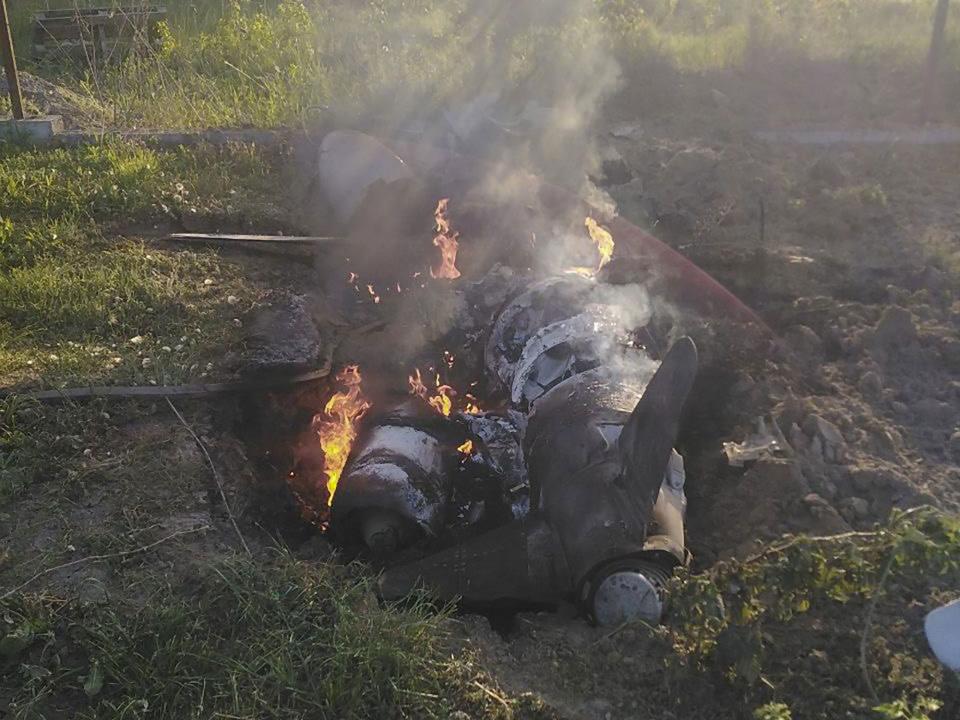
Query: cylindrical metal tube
{"x": 396, "y": 485}
{"x": 628, "y": 591}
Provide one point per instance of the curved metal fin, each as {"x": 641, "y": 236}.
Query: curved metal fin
{"x": 650, "y": 433}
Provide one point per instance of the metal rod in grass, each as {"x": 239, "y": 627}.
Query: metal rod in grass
{"x": 10, "y": 63}
{"x": 214, "y": 471}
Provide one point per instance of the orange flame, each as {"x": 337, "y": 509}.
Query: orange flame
{"x": 337, "y": 426}
{"x": 603, "y": 240}
{"x": 443, "y": 400}
{"x": 466, "y": 448}
{"x": 416, "y": 384}
{"x": 447, "y": 241}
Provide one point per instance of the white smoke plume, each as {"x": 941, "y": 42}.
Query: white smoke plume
{"x": 539, "y": 76}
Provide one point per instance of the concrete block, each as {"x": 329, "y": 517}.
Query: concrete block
{"x": 39, "y": 129}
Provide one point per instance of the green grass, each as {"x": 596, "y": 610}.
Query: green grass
{"x": 266, "y": 639}
{"x": 296, "y": 64}
{"x": 114, "y": 314}
{"x": 126, "y": 181}
{"x": 287, "y": 62}
{"x": 277, "y": 638}
{"x": 80, "y": 303}
{"x": 37, "y": 444}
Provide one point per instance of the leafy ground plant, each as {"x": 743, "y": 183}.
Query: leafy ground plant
{"x": 830, "y": 626}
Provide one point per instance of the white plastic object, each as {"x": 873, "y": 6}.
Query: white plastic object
{"x": 943, "y": 633}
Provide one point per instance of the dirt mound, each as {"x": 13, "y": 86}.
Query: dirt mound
{"x": 46, "y": 98}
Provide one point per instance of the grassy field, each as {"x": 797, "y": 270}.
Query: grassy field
{"x": 289, "y": 62}
{"x": 275, "y": 638}
{"x": 82, "y": 303}
{"x": 83, "y": 299}
{"x": 89, "y": 296}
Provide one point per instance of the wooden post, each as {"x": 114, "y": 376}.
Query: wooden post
{"x": 933, "y": 59}
{"x": 10, "y": 63}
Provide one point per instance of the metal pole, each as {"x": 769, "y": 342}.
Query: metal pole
{"x": 10, "y": 63}
{"x": 933, "y": 59}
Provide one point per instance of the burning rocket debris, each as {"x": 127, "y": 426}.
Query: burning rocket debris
{"x": 606, "y": 502}
{"x": 445, "y": 399}
{"x": 603, "y": 240}
{"x": 441, "y": 402}
{"x": 587, "y": 440}
{"x": 395, "y": 488}
{"x": 570, "y": 490}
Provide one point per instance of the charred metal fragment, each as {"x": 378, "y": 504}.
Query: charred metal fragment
{"x": 349, "y": 163}
{"x": 497, "y": 444}
{"x": 560, "y": 350}
{"x": 396, "y": 486}
{"x": 544, "y": 303}
{"x": 281, "y": 338}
